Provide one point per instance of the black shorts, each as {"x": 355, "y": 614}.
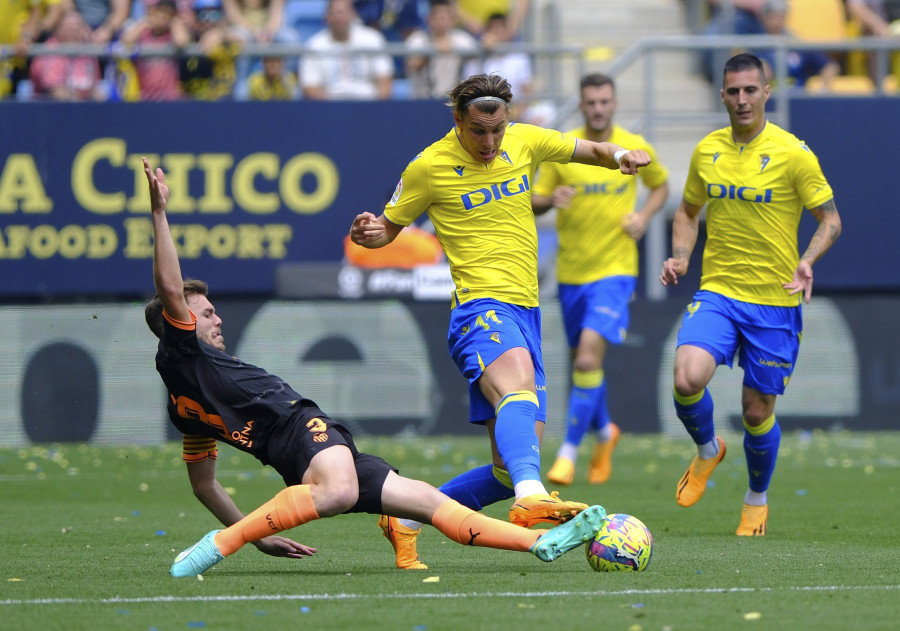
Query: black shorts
{"x": 312, "y": 432}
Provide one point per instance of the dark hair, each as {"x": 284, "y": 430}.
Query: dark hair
{"x": 477, "y": 86}
{"x": 440, "y": 3}
{"x": 153, "y": 312}
{"x": 745, "y": 61}
{"x": 597, "y": 80}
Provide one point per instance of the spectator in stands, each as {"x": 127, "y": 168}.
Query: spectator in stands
{"x": 873, "y": 16}
{"x": 343, "y": 75}
{"x": 210, "y": 76}
{"x": 158, "y": 76}
{"x": 877, "y": 18}
{"x": 273, "y": 82}
{"x": 18, "y": 30}
{"x": 104, "y": 17}
{"x": 63, "y": 77}
{"x": 734, "y": 17}
{"x": 49, "y": 14}
{"x": 431, "y": 77}
{"x": 474, "y": 15}
{"x": 514, "y": 66}
{"x": 259, "y": 22}
{"x": 395, "y": 19}
{"x": 801, "y": 64}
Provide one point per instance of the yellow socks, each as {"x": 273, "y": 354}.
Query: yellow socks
{"x": 289, "y": 508}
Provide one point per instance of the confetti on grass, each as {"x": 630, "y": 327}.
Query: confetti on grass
{"x": 752, "y": 615}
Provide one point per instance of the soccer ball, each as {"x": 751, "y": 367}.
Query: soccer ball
{"x": 624, "y": 543}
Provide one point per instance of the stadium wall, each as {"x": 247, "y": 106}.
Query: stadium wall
{"x": 263, "y": 195}
{"x": 259, "y": 185}
{"x": 86, "y": 372}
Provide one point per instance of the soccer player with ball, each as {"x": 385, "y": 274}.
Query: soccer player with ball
{"x": 475, "y": 185}
{"x": 755, "y": 179}
{"x": 214, "y": 396}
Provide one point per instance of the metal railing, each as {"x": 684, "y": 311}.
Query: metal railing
{"x": 548, "y": 55}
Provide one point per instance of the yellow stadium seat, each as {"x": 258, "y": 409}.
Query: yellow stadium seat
{"x": 843, "y": 84}
{"x": 890, "y": 84}
{"x": 817, "y": 20}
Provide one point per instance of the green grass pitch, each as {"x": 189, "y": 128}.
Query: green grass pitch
{"x": 88, "y": 534}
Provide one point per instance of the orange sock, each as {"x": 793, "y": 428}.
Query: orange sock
{"x": 289, "y": 508}
{"x": 469, "y": 528}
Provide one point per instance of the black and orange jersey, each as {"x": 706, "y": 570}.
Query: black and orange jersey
{"x": 215, "y": 395}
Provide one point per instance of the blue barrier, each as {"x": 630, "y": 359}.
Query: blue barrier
{"x": 253, "y": 185}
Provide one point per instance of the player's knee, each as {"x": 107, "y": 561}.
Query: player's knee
{"x": 756, "y": 414}
{"x": 587, "y": 362}
{"x": 687, "y": 384}
{"x": 337, "y": 499}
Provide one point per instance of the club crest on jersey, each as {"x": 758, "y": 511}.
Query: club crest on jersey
{"x": 397, "y": 191}
{"x": 481, "y": 196}
{"x": 505, "y": 157}
{"x": 495, "y": 337}
{"x": 763, "y": 161}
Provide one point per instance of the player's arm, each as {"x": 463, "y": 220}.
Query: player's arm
{"x": 166, "y": 268}
{"x": 685, "y": 228}
{"x": 371, "y": 232}
{"x": 604, "y": 154}
{"x": 202, "y": 474}
{"x": 635, "y": 224}
{"x": 824, "y": 237}
{"x": 560, "y": 198}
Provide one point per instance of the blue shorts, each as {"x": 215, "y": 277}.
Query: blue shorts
{"x": 601, "y": 306}
{"x": 480, "y": 331}
{"x": 766, "y": 338}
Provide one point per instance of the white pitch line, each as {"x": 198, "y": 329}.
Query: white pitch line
{"x": 344, "y": 596}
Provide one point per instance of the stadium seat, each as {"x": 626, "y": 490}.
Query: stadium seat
{"x": 890, "y": 85}
{"x": 305, "y": 16}
{"x": 844, "y": 84}
{"x": 817, "y": 20}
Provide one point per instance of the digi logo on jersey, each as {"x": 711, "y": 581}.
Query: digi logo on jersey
{"x": 740, "y": 193}
{"x": 482, "y": 196}
{"x": 603, "y": 188}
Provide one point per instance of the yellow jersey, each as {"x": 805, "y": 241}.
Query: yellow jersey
{"x": 754, "y": 193}
{"x": 482, "y": 212}
{"x": 592, "y": 242}
{"x": 484, "y": 9}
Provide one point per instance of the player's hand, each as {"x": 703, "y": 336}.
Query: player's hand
{"x": 159, "y": 192}
{"x": 365, "y": 229}
{"x": 803, "y": 281}
{"x": 562, "y": 196}
{"x": 672, "y": 268}
{"x": 277, "y": 546}
{"x": 634, "y": 225}
{"x": 633, "y": 160}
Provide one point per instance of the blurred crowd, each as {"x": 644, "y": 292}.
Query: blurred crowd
{"x": 812, "y": 20}
{"x": 345, "y": 46}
